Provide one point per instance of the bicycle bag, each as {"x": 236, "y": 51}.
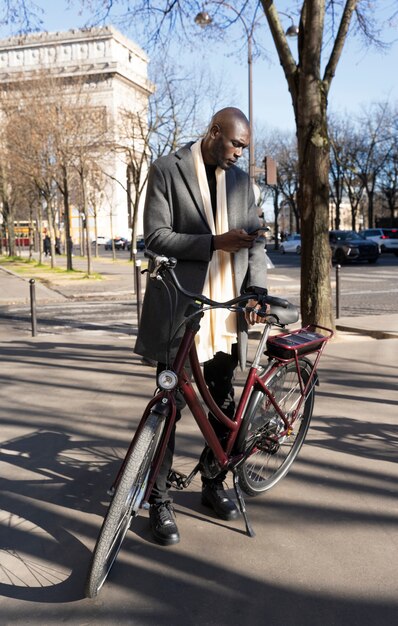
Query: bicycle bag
{"x": 302, "y": 341}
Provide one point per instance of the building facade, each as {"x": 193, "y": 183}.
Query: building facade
{"x": 112, "y": 72}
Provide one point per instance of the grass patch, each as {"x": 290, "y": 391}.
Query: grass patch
{"x": 34, "y": 269}
{"x": 93, "y": 275}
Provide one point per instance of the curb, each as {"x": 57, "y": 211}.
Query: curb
{"x": 376, "y": 334}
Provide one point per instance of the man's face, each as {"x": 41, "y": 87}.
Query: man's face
{"x": 229, "y": 143}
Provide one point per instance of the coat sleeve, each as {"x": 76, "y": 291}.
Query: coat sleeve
{"x": 257, "y": 264}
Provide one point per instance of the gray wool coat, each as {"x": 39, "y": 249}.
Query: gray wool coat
{"x": 175, "y": 225}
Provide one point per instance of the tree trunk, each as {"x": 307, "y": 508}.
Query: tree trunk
{"x": 86, "y": 228}
{"x": 313, "y": 201}
{"x": 276, "y": 215}
{"x": 31, "y": 232}
{"x": 68, "y": 238}
{"x": 371, "y": 208}
{"x": 51, "y": 226}
{"x": 9, "y": 213}
{"x": 40, "y": 231}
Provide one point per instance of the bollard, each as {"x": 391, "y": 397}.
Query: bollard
{"x": 338, "y": 268}
{"x": 138, "y": 289}
{"x": 33, "y": 306}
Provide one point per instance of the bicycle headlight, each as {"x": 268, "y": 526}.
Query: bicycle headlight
{"x": 167, "y": 380}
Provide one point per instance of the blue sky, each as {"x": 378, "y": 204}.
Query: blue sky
{"x": 363, "y": 75}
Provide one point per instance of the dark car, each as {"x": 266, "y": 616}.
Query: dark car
{"x": 347, "y": 246}
{"x": 119, "y": 242}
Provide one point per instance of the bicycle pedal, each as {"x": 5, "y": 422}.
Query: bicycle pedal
{"x": 177, "y": 479}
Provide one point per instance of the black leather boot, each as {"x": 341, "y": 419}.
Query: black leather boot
{"x": 163, "y": 525}
{"x": 215, "y": 497}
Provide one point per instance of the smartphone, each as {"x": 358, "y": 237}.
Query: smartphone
{"x": 260, "y": 229}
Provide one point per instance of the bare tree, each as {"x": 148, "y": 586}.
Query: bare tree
{"x": 22, "y": 16}
{"x": 282, "y": 147}
{"x": 27, "y": 150}
{"x": 388, "y": 175}
{"x": 173, "y": 117}
{"x": 323, "y": 29}
{"x": 287, "y": 162}
{"x": 338, "y": 133}
{"x": 374, "y": 150}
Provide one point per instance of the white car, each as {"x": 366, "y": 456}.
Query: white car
{"x": 291, "y": 244}
{"x": 100, "y": 240}
{"x": 386, "y": 238}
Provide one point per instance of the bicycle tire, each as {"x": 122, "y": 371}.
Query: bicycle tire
{"x": 125, "y": 503}
{"x": 272, "y": 458}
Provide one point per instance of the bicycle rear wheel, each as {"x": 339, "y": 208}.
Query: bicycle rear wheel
{"x": 274, "y": 453}
{"x": 125, "y": 503}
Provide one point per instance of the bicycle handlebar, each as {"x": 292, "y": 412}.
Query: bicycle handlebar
{"x": 163, "y": 263}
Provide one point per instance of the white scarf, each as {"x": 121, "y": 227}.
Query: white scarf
{"x": 218, "y": 328}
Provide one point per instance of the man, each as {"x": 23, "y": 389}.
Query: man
{"x": 200, "y": 209}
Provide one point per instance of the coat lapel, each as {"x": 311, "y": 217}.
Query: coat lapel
{"x": 187, "y": 169}
{"x": 232, "y": 206}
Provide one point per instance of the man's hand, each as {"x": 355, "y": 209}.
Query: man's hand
{"x": 233, "y": 240}
{"x": 252, "y": 317}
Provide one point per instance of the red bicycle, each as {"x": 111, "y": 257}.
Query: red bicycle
{"x": 268, "y": 429}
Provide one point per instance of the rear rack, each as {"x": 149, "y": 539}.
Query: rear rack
{"x": 287, "y": 346}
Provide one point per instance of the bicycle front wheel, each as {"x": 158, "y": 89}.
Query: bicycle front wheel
{"x": 276, "y": 449}
{"x": 125, "y": 503}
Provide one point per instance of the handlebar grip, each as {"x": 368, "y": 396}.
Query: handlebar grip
{"x": 150, "y": 255}
{"x": 273, "y": 301}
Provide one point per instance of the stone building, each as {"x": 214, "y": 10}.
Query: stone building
{"x": 113, "y": 72}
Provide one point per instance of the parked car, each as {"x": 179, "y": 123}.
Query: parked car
{"x": 347, "y": 245}
{"x": 100, "y": 240}
{"x": 140, "y": 244}
{"x": 119, "y": 242}
{"x": 386, "y": 238}
{"x": 292, "y": 243}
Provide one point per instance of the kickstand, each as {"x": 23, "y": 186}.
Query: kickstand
{"x": 242, "y": 506}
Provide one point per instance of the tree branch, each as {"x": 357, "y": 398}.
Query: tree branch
{"x": 282, "y": 47}
{"x": 345, "y": 21}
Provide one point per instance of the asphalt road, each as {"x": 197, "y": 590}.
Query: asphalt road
{"x": 365, "y": 290}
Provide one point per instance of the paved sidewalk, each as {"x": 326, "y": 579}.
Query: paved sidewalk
{"x": 326, "y": 546}
{"x": 118, "y": 282}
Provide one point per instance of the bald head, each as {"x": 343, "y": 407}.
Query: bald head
{"x": 227, "y": 135}
{"x": 229, "y": 116}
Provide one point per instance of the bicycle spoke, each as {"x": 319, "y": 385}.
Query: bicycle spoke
{"x": 277, "y": 444}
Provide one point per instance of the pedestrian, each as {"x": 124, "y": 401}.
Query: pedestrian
{"x": 57, "y": 245}
{"x": 199, "y": 209}
{"x": 47, "y": 245}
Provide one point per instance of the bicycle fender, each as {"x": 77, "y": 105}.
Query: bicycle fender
{"x": 310, "y": 367}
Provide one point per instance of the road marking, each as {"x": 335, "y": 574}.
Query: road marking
{"x": 281, "y": 278}
{"x": 369, "y": 293}
{"x": 367, "y": 279}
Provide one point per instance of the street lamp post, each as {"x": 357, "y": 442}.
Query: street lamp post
{"x": 203, "y": 19}
{"x": 252, "y": 162}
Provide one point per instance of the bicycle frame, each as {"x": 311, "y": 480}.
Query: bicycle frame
{"x": 256, "y": 428}
{"x": 256, "y": 379}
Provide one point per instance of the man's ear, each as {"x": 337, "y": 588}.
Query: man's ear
{"x": 215, "y": 130}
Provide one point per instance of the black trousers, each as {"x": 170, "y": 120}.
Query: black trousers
{"x": 218, "y": 374}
